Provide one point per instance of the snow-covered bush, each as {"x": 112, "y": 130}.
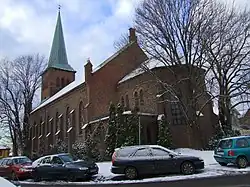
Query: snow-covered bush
{"x": 164, "y": 135}
{"x": 219, "y": 134}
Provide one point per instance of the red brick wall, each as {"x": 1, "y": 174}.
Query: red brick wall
{"x": 102, "y": 83}
{"x": 49, "y": 78}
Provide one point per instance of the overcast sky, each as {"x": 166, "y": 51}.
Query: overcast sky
{"x": 90, "y": 27}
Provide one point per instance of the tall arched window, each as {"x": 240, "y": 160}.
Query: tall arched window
{"x": 67, "y": 118}
{"x": 81, "y": 117}
{"x": 136, "y": 99}
{"x": 141, "y": 98}
{"x": 41, "y": 127}
{"x": 127, "y": 102}
{"x": 122, "y": 101}
{"x": 62, "y": 82}
{"x": 48, "y": 125}
{"x": 34, "y": 130}
{"x": 57, "y": 123}
{"x": 57, "y": 82}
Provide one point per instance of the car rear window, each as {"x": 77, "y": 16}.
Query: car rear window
{"x": 226, "y": 144}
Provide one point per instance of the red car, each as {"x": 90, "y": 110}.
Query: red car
{"x": 16, "y": 167}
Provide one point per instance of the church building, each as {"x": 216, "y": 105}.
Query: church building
{"x": 70, "y": 109}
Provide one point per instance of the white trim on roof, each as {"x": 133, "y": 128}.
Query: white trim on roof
{"x": 72, "y": 111}
{"x": 113, "y": 56}
{"x": 59, "y": 94}
{"x": 146, "y": 65}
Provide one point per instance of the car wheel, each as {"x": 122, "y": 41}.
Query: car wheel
{"x": 71, "y": 178}
{"x": 223, "y": 164}
{"x": 241, "y": 162}
{"x": 37, "y": 177}
{"x": 187, "y": 168}
{"x": 131, "y": 173}
{"x": 13, "y": 176}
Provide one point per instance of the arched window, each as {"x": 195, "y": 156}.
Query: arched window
{"x": 34, "y": 130}
{"x": 81, "y": 117}
{"x": 62, "y": 82}
{"x": 141, "y": 98}
{"x": 122, "y": 101}
{"x": 48, "y": 125}
{"x": 136, "y": 99}
{"x": 57, "y": 82}
{"x": 67, "y": 118}
{"x": 57, "y": 123}
{"x": 41, "y": 127}
{"x": 127, "y": 101}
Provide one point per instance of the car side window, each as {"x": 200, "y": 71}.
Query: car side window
{"x": 56, "y": 160}
{"x": 4, "y": 161}
{"x": 9, "y": 162}
{"x": 46, "y": 160}
{"x": 159, "y": 152}
{"x": 241, "y": 143}
{"x": 142, "y": 152}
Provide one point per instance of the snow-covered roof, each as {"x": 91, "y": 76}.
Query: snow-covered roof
{"x": 113, "y": 56}
{"x": 145, "y": 66}
{"x": 62, "y": 92}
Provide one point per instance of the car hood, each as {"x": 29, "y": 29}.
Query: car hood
{"x": 26, "y": 165}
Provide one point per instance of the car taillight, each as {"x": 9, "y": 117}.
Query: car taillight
{"x": 113, "y": 157}
{"x": 230, "y": 153}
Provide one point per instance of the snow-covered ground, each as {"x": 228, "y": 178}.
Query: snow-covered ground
{"x": 212, "y": 169}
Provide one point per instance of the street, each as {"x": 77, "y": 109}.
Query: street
{"x": 222, "y": 181}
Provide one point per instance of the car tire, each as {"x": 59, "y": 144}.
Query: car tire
{"x": 223, "y": 164}
{"x": 71, "y": 177}
{"x": 187, "y": 168}
{"x": 241, "y": 162}
{"x": 37, "y": 177}
{"x": 13, "y": 176}
{"x": 131, "y": 173}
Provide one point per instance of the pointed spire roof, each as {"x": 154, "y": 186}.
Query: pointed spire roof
{"x": 58, "y": 55}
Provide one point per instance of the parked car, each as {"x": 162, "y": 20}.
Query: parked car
{"x": 135, "y": 161}
{"x": 235, "y": 150}
{"x": 19, "y": 167}
{"x": 62, "y": 166}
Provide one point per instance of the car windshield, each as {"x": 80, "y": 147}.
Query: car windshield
{"x": 66, "y": 158}
{"x": 225, "y": 144}
{"x": 22, "y": 160}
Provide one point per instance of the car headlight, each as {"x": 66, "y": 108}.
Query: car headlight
{"x": 22, "y": 169}
{"x": 83, "y": 168}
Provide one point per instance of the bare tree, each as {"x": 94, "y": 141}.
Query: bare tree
{"x": 121, "y": 42}
{"x": 228, "y": 55}
{"x": 171, "y": 32}
{"x": 19, "y": 81}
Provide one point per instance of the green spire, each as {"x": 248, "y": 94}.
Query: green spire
{"x": 58, "y": 56}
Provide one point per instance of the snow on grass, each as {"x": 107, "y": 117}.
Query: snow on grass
{"x": 212, "y": 169}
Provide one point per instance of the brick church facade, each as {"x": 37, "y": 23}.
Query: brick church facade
{"x": 70, "y": 110}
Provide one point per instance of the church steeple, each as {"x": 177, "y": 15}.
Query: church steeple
{"x": 58, "y": 55}
{"x": 59, "y": 73}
